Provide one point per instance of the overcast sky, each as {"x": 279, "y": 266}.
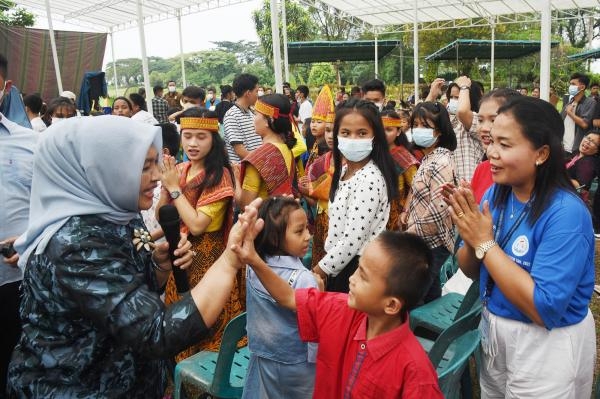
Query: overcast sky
{"x": 232, "y": 23}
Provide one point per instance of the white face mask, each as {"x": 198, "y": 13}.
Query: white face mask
{"x": 573, "y": 90}
{"x": 355, "y": 150}
{"x": 452, "y": 106}
{"x": 57, "y": 120}
{"x": 379, "y": 106}
{"x": 171, "y": 89}
{"x": 423, "y": 136}
{"x": 261, "y": 93}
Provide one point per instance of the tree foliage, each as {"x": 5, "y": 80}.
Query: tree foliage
{"x": 13, "y": 15}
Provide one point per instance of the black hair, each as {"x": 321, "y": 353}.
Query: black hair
{"x": 449, "y": 89}
{"x": 374, "y": 85}
{"x": 33, "y": 102}
{"x": 275, "y": 211}
{"x": 244, "y": 82}
{"x": 391, "y": 105}
{"x": 304, "y": 90}
{"x": 64, "y": 104}
{"x": 594, "y": 84}
{"x": 157, "y": 88}
{"x": 286, "y": 84}
{"x": 401, "y": 139}
{"x": 438, "y": 114}
{"x": 225, "y": 90}
{"x": 3, "y": 66}
{"x": 172, "y": 110}
{"x": 124, "y": 99}
{"x": 582, "y": 78}
{"x": 171, "y": 81}
{"x": 137, "y": 99}
{"x": 170, "y": 138}
{"x": 282, "y": 125}
{"x": 355, "y": 90}
{"x": 142, "y": 91}
{"x": 475, "y": 93}
{"x": 409, "y": 271}
{"x": 381, "y": 152}
{"x": 217, "y": 157}
{"x": 500, "y": 95}
{"x": 194, "y": 92}
{"x": 541, "y": 124}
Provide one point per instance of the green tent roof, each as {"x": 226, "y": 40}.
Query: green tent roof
{"x": 593, "y": 54}
{"x": 357, "y": 50}
{"x": 471, "y": 49}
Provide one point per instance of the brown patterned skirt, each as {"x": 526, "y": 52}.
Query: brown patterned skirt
{"x": 318, "y": 247}
{"x": 209, "y": 246}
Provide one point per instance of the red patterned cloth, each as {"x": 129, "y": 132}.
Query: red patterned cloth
{"x": 271, "y": 166}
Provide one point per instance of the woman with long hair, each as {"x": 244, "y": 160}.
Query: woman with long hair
{"x": 531, "y": 245}
{"x": 202, "y": 190}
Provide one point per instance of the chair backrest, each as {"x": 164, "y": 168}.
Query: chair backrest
{"x": 234, "y": 331}
{"x": 470, "y": 301}
{"x": 449, "y": 267}
{"x": 458, "y": 328}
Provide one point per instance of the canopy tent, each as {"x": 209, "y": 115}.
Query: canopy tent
{"x": 586, "y": 55}
{"x": 481, "y": 49}
{"x": 357, "y": 50}
{"x": 381, "y": 13}
{"x": 113, "y": 15}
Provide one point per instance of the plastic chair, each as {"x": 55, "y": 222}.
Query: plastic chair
{"x": 221, "y": 374}
{"x": 437, "y": 315}
{"x": 449, "y": 267}
{"x": 450, "y": 354}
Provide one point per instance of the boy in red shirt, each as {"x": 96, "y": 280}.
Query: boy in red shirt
{"x": 366, "y": 348}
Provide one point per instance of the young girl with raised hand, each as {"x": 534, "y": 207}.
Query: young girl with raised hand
{"x": 428, "y": 215}
{"x": 406, "y": 164}
{"x": 361, "y": 190}
{"x": 281, "y": 365}
{"x": 202, "y": 191}
{"x": 269, "y": 169}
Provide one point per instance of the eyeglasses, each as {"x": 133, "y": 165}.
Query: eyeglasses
{"x": 589, "y": 140}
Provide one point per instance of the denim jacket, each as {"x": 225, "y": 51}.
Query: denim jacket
{"x": 273, "y": 330}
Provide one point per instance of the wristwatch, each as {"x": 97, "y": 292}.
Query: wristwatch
{"x": 483, "y": 248}
{"x": 465, "y": 87}
{"x": 175, "y": 194}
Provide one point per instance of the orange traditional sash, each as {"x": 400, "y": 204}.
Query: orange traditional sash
{"x": 403, "y": 159}
{"x": 271, "y": 166}
{"x": 320, "y": 174}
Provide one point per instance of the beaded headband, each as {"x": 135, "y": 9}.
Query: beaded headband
{"x": 391, "y": 122}
{"x": 211, "y": 124}
{"x": 269, "y": 110}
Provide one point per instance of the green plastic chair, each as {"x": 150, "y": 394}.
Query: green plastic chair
{"x": 434, "y": 317}
{"x": 221, "y": 374}
{"x": 450, "y": 354}
{"x": 449, "y": 267}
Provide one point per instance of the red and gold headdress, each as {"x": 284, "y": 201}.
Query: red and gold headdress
{"x": 211, "y": 124}
{"x": 323, "y": 105}
{"x": 269, "y": 110}
{"x": 391, "y": 122}
{"x": 330, "y": 117}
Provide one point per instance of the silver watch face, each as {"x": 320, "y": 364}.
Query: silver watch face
{"x": 479, "y": 253}
{"x": 175, "y": 194}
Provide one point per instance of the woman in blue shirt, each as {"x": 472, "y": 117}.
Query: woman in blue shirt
{"x": 531, "y": 244}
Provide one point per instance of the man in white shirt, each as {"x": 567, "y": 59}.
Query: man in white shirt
{"x": 139, "y": 113}
{"x": 305, "y": 110}
{"x": 33, "y": 105}
{"x": 577, "y": 114}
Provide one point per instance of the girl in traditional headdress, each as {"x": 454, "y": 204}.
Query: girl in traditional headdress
{"x": 318, "y": 178}
{"x": 269, "y": 169}
{"x": 202, "y": 191}
{"x": 323, "y": 106}
{"x": 406, "y": 164}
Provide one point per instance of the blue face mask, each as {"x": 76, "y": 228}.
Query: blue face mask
{"x": 423, "y": 136}
{"x": 573, "y": 90}
{"x": 355, "y": 150}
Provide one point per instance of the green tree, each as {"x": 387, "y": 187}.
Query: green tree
{"x": 321, "y": 74}
{"x": 13, "y": 15}
{"x": 575, "y": 30}
{"x": 300, "y": 26}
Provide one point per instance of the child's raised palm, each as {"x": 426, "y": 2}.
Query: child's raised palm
{"x": 241, "y": 238}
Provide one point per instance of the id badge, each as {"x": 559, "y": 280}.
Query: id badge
{"x": 484, "y": 329}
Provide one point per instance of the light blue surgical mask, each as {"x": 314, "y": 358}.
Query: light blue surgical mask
{"x": 573, "y": 90}
{"x": 423, "y": 136}
{"x": 355, "y": 150}
{"x": 452, "y": 106}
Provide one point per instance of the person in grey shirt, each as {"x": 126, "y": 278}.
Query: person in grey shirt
{"x": 17, "y": 146}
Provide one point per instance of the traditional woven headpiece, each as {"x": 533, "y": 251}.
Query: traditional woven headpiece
{"x": 330, "y": 117}
{"x": 391, "y": 122}
{"x": 211, "y": 124}
{"x": 323, "y": 105}
{"x": 269, "y": 110}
